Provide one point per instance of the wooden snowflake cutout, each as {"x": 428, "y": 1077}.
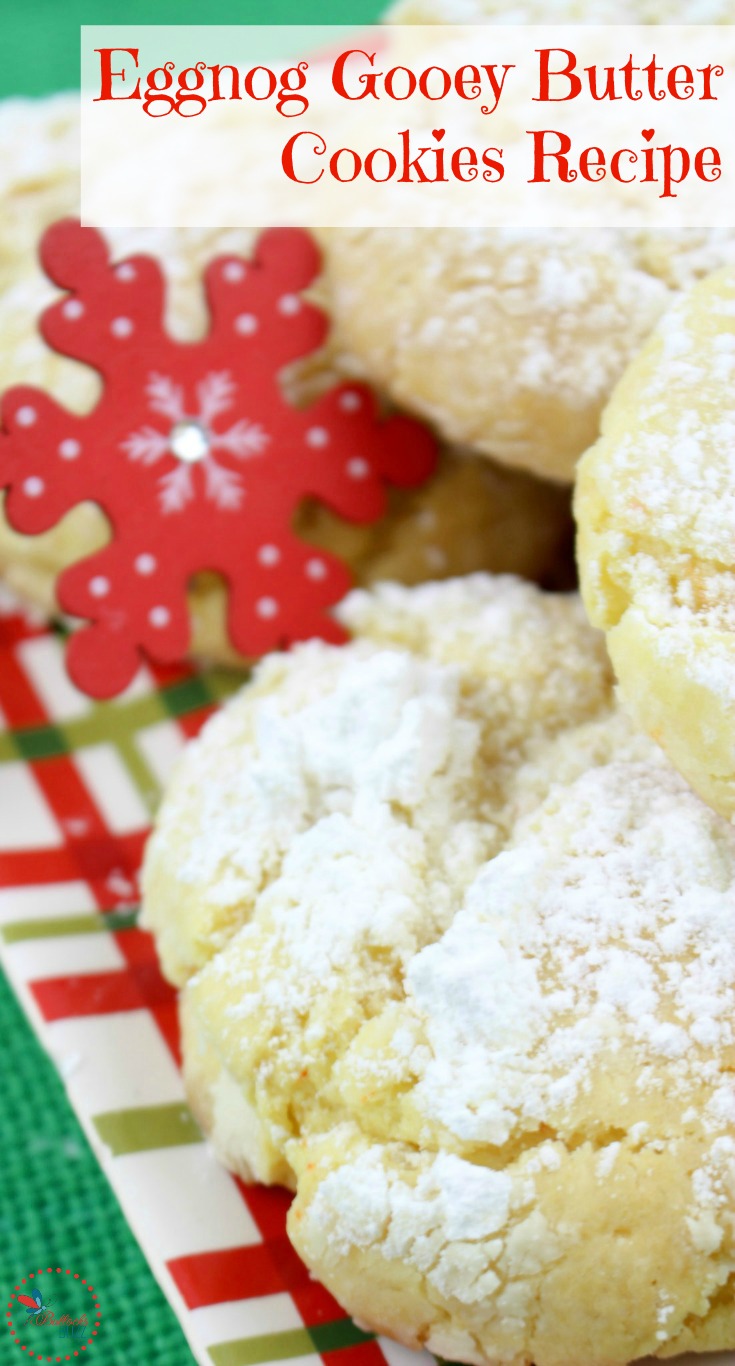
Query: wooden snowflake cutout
{"x": 194, "y": 454}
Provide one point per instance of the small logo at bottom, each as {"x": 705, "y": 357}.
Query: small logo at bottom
{"x": 54, "y": 1314}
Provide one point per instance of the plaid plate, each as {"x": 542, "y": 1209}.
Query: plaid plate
{"x": 78, "y": 784}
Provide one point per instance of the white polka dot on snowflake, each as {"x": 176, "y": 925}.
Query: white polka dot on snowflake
{"x": 33, "y": 486}
{"x": 349, "y": 402}
{"x": 73, "y": 309}
{"x": 289, "y": 304}
{"x": 233, "y": 272}
{"x": 316, "y": 569}
{"x": 266, "y": 608}
{"x": 357, "y": 468}
{"x": 269, "y": 555}
{"x": 145, "y": 563}
{"x": 70, "y": 449}
{"x": 246, "y": 324}
{"x": 99, "y": 586}
{"x": 317, "y": 436}
{"x": 26, "y": 416}
{"x": 159, "y": 616}
{"x": 121, "y": 327}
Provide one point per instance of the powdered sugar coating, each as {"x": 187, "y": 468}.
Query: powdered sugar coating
{"x": 577, "y": 887}
{"x": 512, "y": 340}
{"x": 315, "y": 749}
{"x": 460, "y": 969}
{"x": 656, "y": 509}
{"x": 509, "y": 340}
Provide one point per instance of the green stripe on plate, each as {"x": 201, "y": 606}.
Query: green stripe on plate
{"x": 146, "y": 1127}
{"x": 59, "y": 926}
{"x": 139, "y": 771}
{"x": 108, "y": 720}
{"x": 296, "y": 1342}
{"x": 222, "y": 681}
{"x": 40, "y": 742}
{"x": 330, "y": 1337}
{"x": 189, "y": 695}
{"x": 9, "y": 752}
{"x": 119, "y": 722}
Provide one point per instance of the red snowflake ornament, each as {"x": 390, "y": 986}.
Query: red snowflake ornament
{"x": 194, "y": 455}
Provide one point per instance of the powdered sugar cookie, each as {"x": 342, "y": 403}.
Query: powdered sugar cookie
{"x": 458, "y": 964}
{"x": 508, "y": 340}
{"x": 656, "y": 514}
{"x": 511, "y": 340}
{"x": 39, "y": 175}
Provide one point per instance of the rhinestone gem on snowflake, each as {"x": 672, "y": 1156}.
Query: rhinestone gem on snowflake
{"x": 194, "y": 439}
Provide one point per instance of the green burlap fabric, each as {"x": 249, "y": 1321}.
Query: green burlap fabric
{"x": 56, "y": 1207}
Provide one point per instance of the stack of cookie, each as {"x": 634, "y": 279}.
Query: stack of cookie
{"x": 452, "y": 916}
{"x": 452, "y": 907}
{"x": 454, "y": 922}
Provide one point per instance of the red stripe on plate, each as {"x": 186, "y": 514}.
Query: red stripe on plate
{"x": 268, "y": 1207}
{"x": 359, "y": 1354}
{"x": 20, "y": 702}
{"x": 314, "y": 1303}
{"x": 165, "y": 675}
{"x": 268, "y": 1268}
{"x": 166, "y": 1017}
{"x": 190, "y": 723}
{"x": 139, "y": 950}
{"x": 100, "y": 993}
{"x": 137, "y": 946}
{"x": 109, "y": 862}
{"x": 241, "y": 1273}
{"x": 233, "y": 1273}
{"x": 68, "y": 797}
{"x": 105, "y": 863}
{"x": 35, "y": 867}
{"x": 17, "y": 627}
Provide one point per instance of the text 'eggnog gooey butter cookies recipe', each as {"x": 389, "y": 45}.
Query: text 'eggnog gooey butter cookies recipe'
{"x": 457, "y": 966}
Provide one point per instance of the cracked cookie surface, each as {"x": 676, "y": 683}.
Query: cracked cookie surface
{"x": 457, "y": 966}
{"x": 655, "y": 507}
{"x": 508, "y": 340}
{"x": 511, "y": 339}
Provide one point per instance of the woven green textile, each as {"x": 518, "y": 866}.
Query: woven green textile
{"x": 56, "y": 1207}
{"x": 41, "y": 37}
